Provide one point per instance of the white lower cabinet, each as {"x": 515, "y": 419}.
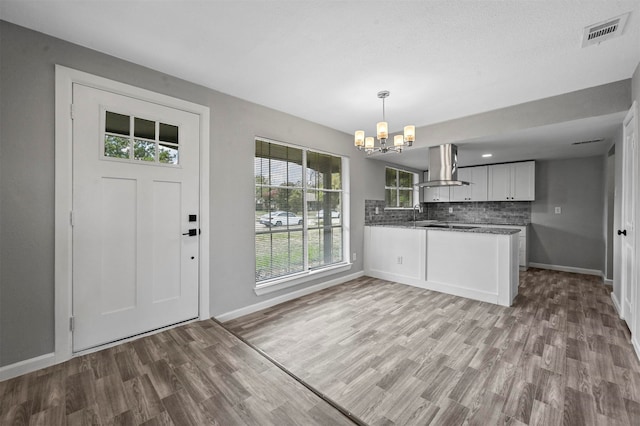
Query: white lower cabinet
{"x": 480, "y": 266}
{"x": 394, "y": 252}
{"x": 523, "y": 242}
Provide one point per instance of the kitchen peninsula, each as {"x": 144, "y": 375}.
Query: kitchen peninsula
{"x": 476, "y": 262}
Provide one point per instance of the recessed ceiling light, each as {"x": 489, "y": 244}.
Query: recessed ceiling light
{"x": 486, "y": 155}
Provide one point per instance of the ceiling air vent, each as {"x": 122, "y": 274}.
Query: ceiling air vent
{"x": 596, "y": 33}
{"x": 586, "y": 142}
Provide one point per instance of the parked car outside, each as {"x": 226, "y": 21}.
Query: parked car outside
{"x": 334, "y": 214}
{"x": 280, "y": 218}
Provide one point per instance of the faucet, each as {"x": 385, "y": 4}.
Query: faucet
{"x": 417, "y": 207}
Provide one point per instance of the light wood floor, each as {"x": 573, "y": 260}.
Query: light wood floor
{"x": 197, "y": 374}
{"x": 389, "y": 353}
{"x": 394, "y": 354}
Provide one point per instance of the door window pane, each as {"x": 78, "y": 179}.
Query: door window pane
{"x": 167, "y": 154}
{"x": 144, "y": 150}
{"x": 144, "y": 129}
{"x": 116, "y": 147}
{"x": 168, "y": 133}
{"x": 117, "y": 123}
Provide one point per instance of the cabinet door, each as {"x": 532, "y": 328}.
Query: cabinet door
{"x": 478, "y": 189}
{"x": 500, "y": 182}
{"x": 523, "y": 181}
{"x": 444, "y": 194}
{"x": 462, "y": 193}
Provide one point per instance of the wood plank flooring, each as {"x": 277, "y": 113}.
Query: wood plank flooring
{"x": 399, "y": 355}
{"x": 197, "y": 374}
{"x": 391, "y": 354}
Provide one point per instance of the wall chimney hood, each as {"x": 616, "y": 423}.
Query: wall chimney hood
{"x": 443, "y": 167}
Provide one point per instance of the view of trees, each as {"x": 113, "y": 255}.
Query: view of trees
{"x": 120, "y": 147}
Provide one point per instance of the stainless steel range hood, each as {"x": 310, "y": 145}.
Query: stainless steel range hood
{"x": 443, "y": 167}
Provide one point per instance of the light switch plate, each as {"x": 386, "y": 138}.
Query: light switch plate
{"x": 558, "y": 210}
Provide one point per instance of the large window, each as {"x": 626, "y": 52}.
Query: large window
{"x": 299, "y": 221}
{"x": 400, "y": 191}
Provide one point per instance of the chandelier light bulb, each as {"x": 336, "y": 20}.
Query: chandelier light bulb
{"x": 368, "y": 142}
{"x": 359, "y": 138}
{"x": 382, "y": 130}
{"x": 409, "y": 134}
{"x": 398, "y": 140}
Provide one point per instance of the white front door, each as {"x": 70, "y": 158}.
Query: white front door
{"x": 135, "y": 195}
{"x": 627, "y": 230}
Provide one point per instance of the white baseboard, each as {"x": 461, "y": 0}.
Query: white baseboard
{"x": 27, "y": 366}
{"x": 566, "y": 269}
{"x": 237, "y": 313}
{"x": 616, "y": 304}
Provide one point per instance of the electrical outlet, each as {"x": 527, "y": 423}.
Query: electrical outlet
{"x": 450, "y": 209}
{"x": 399, "y": 260}
{"x": 354, "y": 257}
{"x": 558, "y": 210}
{"x": 377, "y": 210}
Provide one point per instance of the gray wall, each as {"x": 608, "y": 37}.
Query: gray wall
{"x": 574, "y": 238}
{"x": 27, "y": 181}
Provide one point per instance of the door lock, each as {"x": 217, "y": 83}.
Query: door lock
{"x": 192, "y": 232}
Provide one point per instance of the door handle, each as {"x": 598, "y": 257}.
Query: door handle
{"x": 192, "y": 232}
{"x": 623, "y": 232}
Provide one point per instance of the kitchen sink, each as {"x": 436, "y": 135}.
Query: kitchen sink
{"x": 445, "y": 226}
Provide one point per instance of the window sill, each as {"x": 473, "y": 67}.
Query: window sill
{"x": 297, "y": 279}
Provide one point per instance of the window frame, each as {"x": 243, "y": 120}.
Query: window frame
{"x": 309, "y": 273}
{"x": 397, "y": 187}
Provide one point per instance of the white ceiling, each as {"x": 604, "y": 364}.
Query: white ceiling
{"x": 326, "y": 60}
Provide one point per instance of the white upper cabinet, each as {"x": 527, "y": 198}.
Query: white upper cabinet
{"x": 477, "y": 190}
{"x": 437, "y": 194}
{"x": 512, "y": 182}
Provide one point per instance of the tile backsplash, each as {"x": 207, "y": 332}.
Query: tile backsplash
{"x": 496, "y": 212}
{"x": 389, "y": 216}
{"x": 493, "y": 212}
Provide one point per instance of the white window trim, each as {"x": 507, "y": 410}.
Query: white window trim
{"x": 416, "y": 190}
{"x": 64, "y": 80}
{"x": 279, "y": 283}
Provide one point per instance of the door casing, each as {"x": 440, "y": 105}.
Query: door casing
{"x": 65, "y": 77}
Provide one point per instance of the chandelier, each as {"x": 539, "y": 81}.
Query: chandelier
{"x": 382, "y": 129}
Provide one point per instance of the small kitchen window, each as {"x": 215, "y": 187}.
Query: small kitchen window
{"x": 400, "y": 190}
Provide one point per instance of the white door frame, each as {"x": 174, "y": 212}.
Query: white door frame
{"x": 65, "y": 77}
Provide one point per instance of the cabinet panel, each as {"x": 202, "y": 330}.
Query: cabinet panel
{"x": 499, "y": 182}
{"x": 524, "y": 176}
{"x": 478, "y": 190}
{"x": 437, "y": 194}
{"x": 513, "y": 181}
{"x": 462, "y": 193}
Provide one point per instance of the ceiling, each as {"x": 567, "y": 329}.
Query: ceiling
{"x": 325, "y": 61}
